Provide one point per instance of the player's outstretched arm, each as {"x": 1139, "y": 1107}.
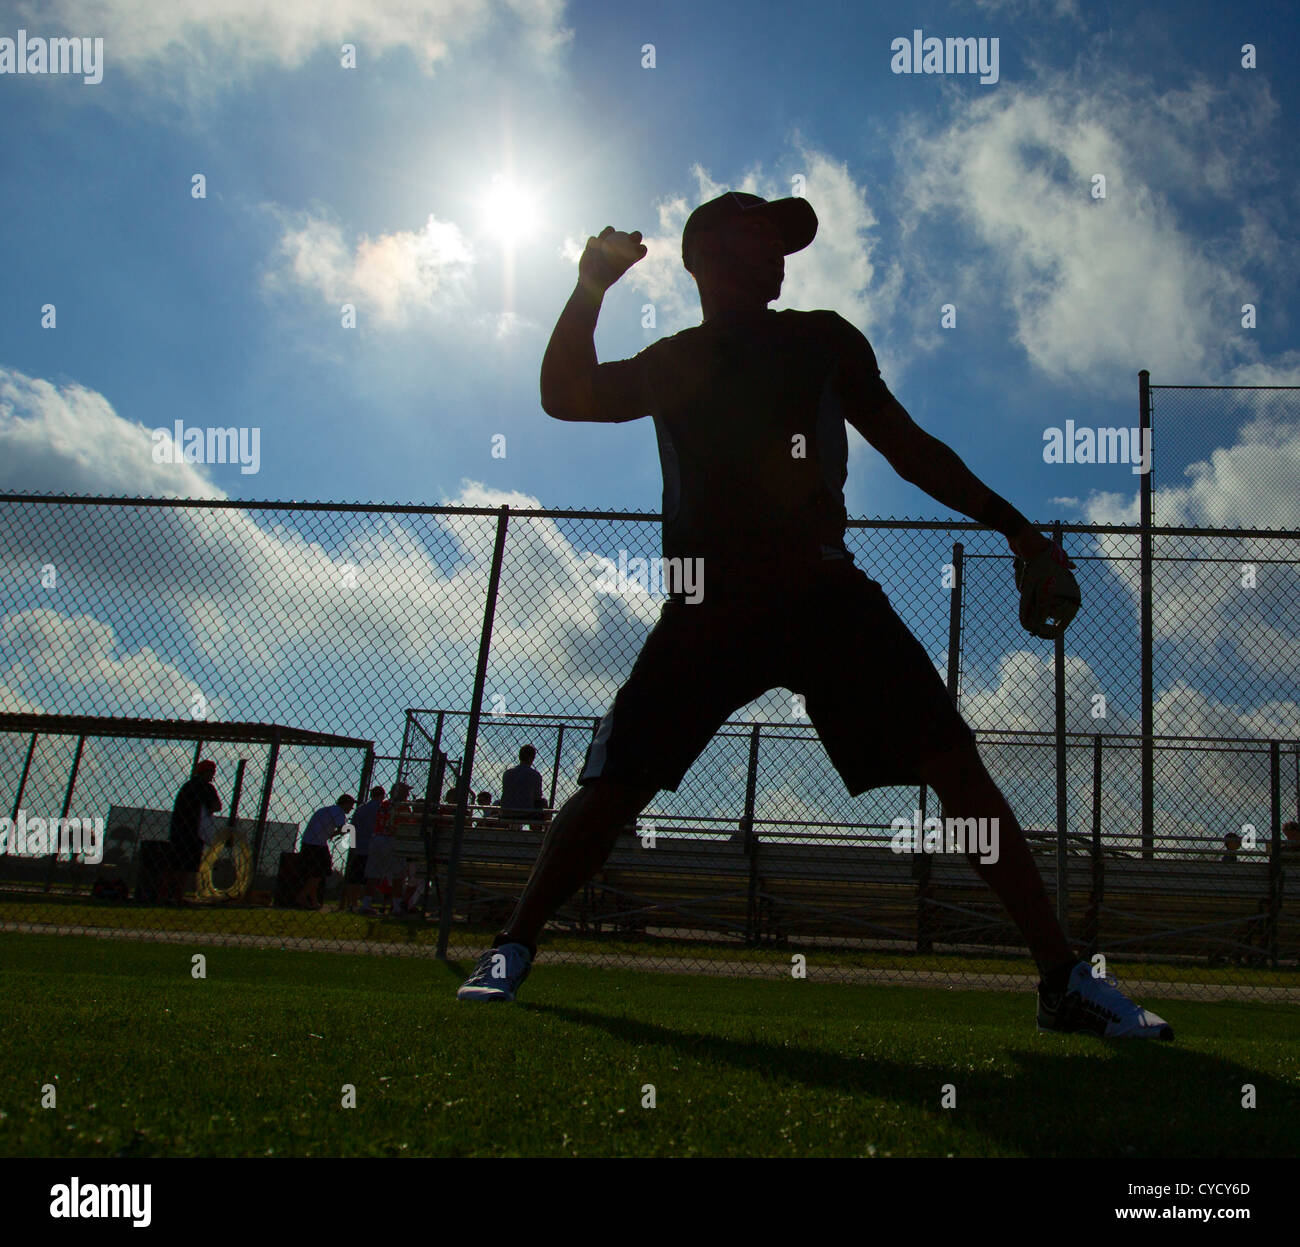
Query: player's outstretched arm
{"x": 574, "y": 385}
{"x": 933, "y": 466}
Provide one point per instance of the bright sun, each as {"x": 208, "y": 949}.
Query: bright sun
{"x": 509, "y": 211}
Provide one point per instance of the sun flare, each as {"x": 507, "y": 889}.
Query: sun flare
{"x": 509, "y": 211}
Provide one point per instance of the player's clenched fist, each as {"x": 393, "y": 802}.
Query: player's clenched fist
{"x": 608, "y": 257}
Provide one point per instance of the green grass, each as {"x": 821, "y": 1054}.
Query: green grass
{"x": 253, "y": 1059}
{"x": 326, "y": 926}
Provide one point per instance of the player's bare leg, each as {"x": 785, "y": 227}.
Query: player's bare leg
{"x": 1070, "y": 998}
{"x": 967, "y": 790}
{"x": 578, "y": 843}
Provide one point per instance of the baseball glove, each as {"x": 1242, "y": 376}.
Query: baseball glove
{"x": 1049, "y": 595}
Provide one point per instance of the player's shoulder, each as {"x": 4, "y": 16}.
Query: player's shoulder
{"x": 831, "y": 324}
{"x": 847, "y": 341}
{"x": 825, "y": 327}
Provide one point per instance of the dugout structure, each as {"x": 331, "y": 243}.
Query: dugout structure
{"x": 45, "y": 771}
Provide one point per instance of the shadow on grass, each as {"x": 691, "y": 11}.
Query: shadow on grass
{"x": 1126, "y": 1099}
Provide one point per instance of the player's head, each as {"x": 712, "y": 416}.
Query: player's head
{"x": 401, "y": 792}
{"x": 738, "y": 242}
{"x": 346, "y": 802}
{"x": 1291, "y": 831}
{"x": 1232, "y": 840}
{"x": 205, "y": 769}
{"x": 527, "y": 754}
{"x": 377, "y": 793}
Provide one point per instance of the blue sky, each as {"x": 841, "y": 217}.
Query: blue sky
{"x": 328, "y": 185}
{"x": 366, "y": 186}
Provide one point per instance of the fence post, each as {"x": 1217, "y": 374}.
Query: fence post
{"x": 272, "y": 760}
{"x": 1295, "y": 750}
{"x": 954, "y": 619}
{"x": 922, "y": 867}
{"x": 1275, "y": 847}
{"x": 367, "y": 774}
{"x": 67, "y": 805}
{"x": 751, "y": 841}
{"x": 555, "y": 769}
{"x": 1092, "y": 924}
{"x": 1145, "y": 496}
{"x": 1062, "y": 810}
{"x": 471, "y": 735}
{"x": 406, "y": 744}
{"x": 432, "y": 796}
{"x": 22, "y": 781}
{"x": 921, "y": 873}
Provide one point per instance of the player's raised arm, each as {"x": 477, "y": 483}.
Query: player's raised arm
{"x": 574, "y": 385}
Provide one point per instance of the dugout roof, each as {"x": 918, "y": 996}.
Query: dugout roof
{"x": 172, "y": 729}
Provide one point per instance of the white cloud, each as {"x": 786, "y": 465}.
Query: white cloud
{"x": 237, "y": 598}
{"x": 836, "y": 271}
{"x": 207, "y": 42}
{"x": 1200, "y": 602}
{"x": 1097, "y": 288}
{"x": 70, "y": 440}
{"x": 81, "y": 653}
{"x": 388, "y": 279}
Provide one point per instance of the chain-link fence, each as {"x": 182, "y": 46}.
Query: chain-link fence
{"x": 1226, "y": 455}
{"x": 315, "y": 650}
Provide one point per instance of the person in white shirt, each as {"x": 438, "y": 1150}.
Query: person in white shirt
{"x": 316, "y": 864}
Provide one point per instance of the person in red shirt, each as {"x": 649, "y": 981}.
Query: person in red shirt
{"x": 386, "y": 868}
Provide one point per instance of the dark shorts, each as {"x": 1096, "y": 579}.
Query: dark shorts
{"x": 355, "y": 871}
{"x": 186, "y": 853}
{"x": 868, "y": 685}
{"x": 316, "y": 862}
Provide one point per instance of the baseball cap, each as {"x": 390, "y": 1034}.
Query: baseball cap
{"x": 794, "y": 217}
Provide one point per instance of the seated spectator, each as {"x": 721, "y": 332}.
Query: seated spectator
{"x": 486, "y": 814}
{"x": 521, "y": 791}
{"x": 447, "y": 809}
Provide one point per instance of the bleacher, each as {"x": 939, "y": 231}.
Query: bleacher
{"x": 694, "y": 884}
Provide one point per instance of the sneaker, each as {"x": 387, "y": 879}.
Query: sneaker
{"x": 1098, "y": 1007}
{"x": 499, "y": 974}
